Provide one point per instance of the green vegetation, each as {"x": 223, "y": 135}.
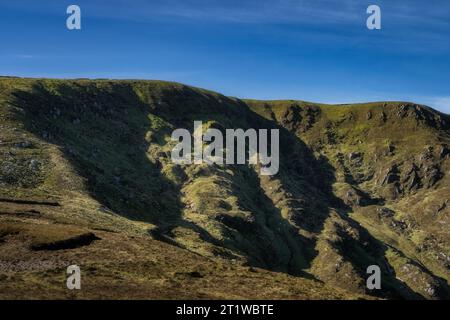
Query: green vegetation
{"x": 358, "y": 185}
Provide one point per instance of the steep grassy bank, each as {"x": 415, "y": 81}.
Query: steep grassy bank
{"x": 358, "y": 185}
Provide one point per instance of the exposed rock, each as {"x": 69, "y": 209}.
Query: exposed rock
{"x": 431, "y": 291}
{"x": 385, "y": 212}
{"x": 432, "y": 175}
{"x": 442, "y": 207}
{"x": 354, "y": 155}
{"x": 444, "y": 152}
{"x": 390, "y": 149}
{"x": 23, "y": 144}
{"x": 402, "y": 111}
{"x": 399, "y": 226}
{"x": 411, "y": 180}
{"x": 238, "y": 223}
{"x": 34, "y": 165}
{"x": 390, "y": 175}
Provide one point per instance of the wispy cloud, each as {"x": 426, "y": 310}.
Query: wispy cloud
{"x": 426, "y": 22}
{"x": 414, "y": 12}
{"x": 440, "y": 103}
{"x": 243, "y": 11}
{"x": 24, "y": 56}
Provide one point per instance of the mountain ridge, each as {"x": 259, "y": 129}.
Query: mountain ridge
{"x": 351, "y": 191}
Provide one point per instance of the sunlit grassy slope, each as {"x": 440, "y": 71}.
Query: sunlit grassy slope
{"x": 86, "y": 178}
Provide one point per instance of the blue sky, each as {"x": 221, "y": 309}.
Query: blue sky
{"x": 314, "y": 50}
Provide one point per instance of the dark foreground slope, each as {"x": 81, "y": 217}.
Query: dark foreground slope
{"x": 86, "y": 178}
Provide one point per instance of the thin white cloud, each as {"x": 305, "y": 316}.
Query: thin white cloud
{"x": 24, "y": 56}
{"x": 404, "y": 23}
{"x": 414, "y": 12}
{"x": 441, "y": 103}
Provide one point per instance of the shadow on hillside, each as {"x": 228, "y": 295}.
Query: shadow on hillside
{"x": 370, "y": 251}
{"x": 102, "y": 131}
{"x": 276, "y": 241}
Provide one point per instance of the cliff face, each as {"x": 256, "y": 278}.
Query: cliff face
{"x": 88, "y": 163}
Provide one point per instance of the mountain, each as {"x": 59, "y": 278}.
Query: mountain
{"x": 86, "y": 178}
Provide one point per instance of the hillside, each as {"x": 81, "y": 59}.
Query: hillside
{"x": 86, "y": 178}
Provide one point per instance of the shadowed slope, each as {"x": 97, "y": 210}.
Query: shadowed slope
{"x": 102, "y": 150}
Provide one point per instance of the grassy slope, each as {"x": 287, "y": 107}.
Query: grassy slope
{"x": 102, "y": 149}
{"x": 367, "y": 143}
